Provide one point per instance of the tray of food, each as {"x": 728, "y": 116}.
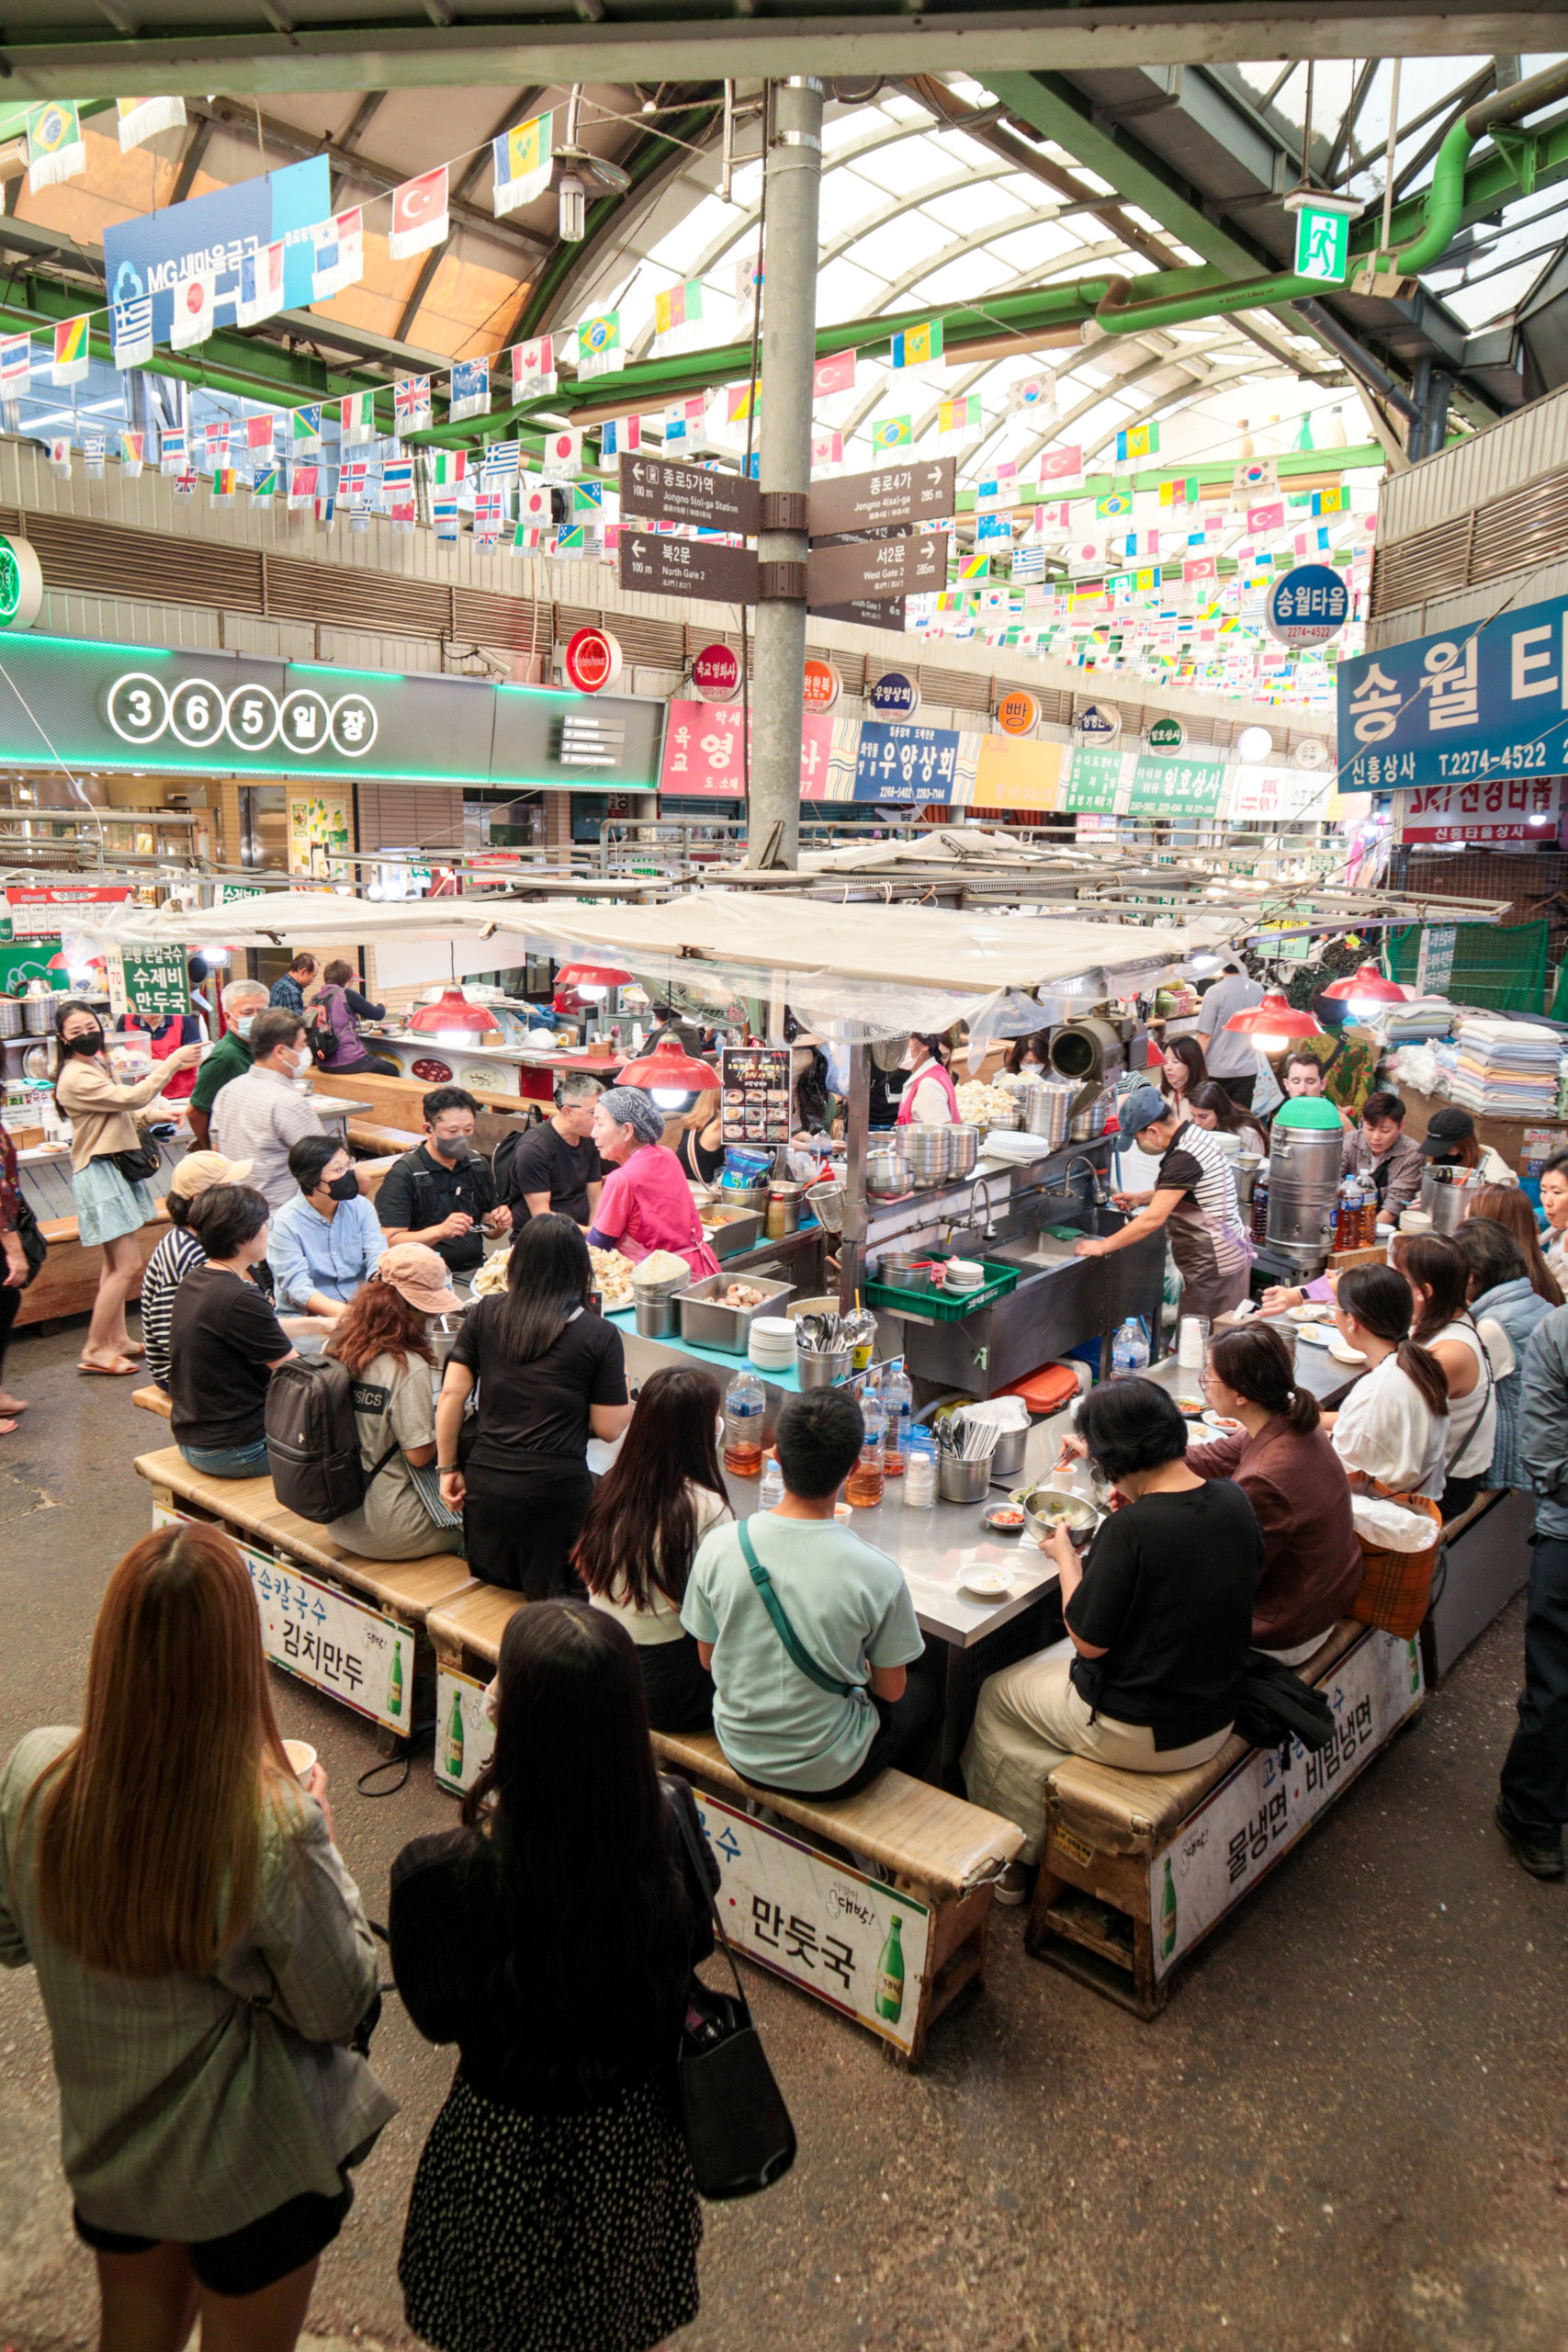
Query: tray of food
{"x": 719, "y": 1311}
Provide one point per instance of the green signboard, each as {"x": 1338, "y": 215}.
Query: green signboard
{"x": 149, "y": 982}
{"x": 1093, "y": 776}
{"x": 1174, "y": 787}
{"x": 1323, "y": 244}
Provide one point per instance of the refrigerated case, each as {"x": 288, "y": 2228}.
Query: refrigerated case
{"x": 264, "y": 827}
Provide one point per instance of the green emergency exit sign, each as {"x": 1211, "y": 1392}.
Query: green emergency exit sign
{"x": 1323, "y": 244}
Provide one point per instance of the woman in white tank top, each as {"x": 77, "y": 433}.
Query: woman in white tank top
{"x": 1438, "y": 1278}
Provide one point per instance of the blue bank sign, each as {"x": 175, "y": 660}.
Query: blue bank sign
{"x": 1487, "y": 700}
{"x": 152, "y": 253}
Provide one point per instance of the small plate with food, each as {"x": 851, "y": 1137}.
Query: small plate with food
{"x": 1311, "y": 1310}
{"x": 1322, "y": 1335}
{"x": 1004, "y": 1519}
{"x": 985, "y": 1583}
{"x": 1225, "y": 1425}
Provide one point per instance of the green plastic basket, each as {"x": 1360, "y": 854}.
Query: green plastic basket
{"x": 936, "y": 1306}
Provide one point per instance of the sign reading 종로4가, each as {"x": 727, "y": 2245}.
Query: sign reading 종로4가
{"x": 1459, "y": 706}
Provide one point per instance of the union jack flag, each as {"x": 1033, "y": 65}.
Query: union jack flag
{"x": 411, "y": 403}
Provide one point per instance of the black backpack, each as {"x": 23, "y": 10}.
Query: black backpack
{"x": 312, "y": 1440}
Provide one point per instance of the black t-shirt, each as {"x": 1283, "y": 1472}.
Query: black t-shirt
{"x": 1166, "y": 1593}
{"x": 544, "y": 1162}
{"x": 223, "y": 1337}
{"x": 421, "y": 1190}
{"x": 701, "y": 1165}
{"x": 539, "y": 1408}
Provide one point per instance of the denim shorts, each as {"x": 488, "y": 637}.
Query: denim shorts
{"x": 229, "y": 1461}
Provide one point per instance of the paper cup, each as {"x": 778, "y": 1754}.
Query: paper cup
{"x": 301, "y": 1756}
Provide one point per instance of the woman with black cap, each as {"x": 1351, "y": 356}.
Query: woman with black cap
{"x": 1450, "y": 1141}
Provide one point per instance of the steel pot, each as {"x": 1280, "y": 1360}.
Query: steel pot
{"x": 963, "y": 1150}
{"x": 1443, "y": 1197}
{"x": 657, "y": 1314}
{"x": 962, "y": 1482}
{"x": 38, "y": 1015}
{"x": 823, "y": 1370}
{"x": 783, "y": 1210}
{"x": 902, "y": 1270}
{"x": 10, "y": 1017}
{"x": 1006, "y": 1457}
{"x": 1043, "y": 1106}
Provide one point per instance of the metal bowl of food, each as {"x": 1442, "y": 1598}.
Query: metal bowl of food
{"x": 1047, "y": 1507}
{"x": 728, "y": 1229}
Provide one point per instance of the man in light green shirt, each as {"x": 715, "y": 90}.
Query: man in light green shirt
{"x": 847, "y": 1606}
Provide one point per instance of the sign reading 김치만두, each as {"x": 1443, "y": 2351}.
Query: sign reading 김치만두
{"x": 1487, "y": 699}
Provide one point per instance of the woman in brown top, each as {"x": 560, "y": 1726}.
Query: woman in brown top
{"x": 1289, "y": 1472}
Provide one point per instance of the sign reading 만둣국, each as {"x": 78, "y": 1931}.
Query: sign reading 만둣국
{"x": 351, "y": 1652}
{"x": 848, "y": 1939}
{"x": 149, "y": 982}
{"x": 1459, "y": 707}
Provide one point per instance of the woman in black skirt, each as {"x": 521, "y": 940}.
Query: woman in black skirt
{"x": 552, "y": 1939}
{"x": 551, "y": 1373}
{"x": 661, "y": 1496}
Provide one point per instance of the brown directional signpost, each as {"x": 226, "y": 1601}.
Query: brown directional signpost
{"x": 657, "y": 490}
{"x": 876, "y": 568}
{"x": 908, "y": 491}
{"x": 656, "y": 566}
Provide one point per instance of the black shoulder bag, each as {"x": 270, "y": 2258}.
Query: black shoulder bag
{"x": 737, "y": 2128}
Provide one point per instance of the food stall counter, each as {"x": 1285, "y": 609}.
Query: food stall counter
{"x": 510, "y": 1072}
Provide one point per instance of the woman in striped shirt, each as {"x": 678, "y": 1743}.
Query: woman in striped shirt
{"x": 1193, "y": 1198}
{"x": 179, "y": 1250}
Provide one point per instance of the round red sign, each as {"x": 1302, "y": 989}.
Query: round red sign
{"x": 716, "y": 673}
{"x": 822, "y": 685}
{"x": 1018, "y": 712}
{"x": 593, "y": 661}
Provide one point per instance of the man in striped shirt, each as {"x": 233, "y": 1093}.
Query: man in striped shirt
{"x": 1194, "y": 1194}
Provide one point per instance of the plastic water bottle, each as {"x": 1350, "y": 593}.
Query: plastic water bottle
{"x": 773, "y": 1491}
{"x": 1129, "y": 1352}
{"x": 745, "y": 1407}
{"x": 897, "y": 1397}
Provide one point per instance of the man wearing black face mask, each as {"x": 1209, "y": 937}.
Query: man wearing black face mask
{"x": 326, "y": 1242}
{"x": 442, "y": 1193}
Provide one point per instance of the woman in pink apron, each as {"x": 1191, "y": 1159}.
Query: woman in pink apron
{"x": 929, "y": 1096}
{"x": 646, "y": 1204}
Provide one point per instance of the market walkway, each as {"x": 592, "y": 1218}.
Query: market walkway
{"x": 1348, "y": 2129}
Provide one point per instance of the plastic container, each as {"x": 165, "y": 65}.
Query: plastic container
{"x": 772, "y": 1492}
{"x": 920, "y": 1474}
{"x": 745, "y": 1409}
{"x": 898, "y": 1399}
{"x": 863, "y": 1490}
{"x": 1129, "y": 1352}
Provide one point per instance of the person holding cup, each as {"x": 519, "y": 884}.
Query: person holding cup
{"x": 206, "y": 1973}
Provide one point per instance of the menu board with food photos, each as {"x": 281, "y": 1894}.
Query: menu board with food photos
{"x": 754, "y": 1101}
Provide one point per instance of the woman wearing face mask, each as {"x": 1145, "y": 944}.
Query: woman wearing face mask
{"x": 1029, "y": 1056}
{"x": 381, "y": 1339}
{"x": 929, "y": 1096}
{"x": 646, "y": 1204}
{"x": 113, "y": 1202}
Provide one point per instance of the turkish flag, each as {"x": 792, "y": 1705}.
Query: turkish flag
{"x": 1262, "y": 519}
{"x": 835, "y": 374}
{"x": 1200, "y": 567}
{"x": 1061, "y": 465}
{"x": 419, "y": 215}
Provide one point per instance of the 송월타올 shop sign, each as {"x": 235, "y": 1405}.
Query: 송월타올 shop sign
{"x": 118, "y": 708}
{"x": 1464, "y": 706}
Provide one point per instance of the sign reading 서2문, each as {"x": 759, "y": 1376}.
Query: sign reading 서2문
{"x": 1459, "y": 707}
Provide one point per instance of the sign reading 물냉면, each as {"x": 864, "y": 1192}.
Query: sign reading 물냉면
{"x": 351, "y": 1652}
{"x": 852, "y": 1941}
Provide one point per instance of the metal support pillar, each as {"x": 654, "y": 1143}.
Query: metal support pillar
{"x": 857, "y": 1121}
{"x": 794, "y": 169}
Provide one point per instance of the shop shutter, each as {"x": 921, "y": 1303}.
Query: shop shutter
{"x": 383, "y": 603}
{"x": 87, "y": 558}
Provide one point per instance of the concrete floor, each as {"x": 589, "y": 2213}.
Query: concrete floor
{"x": 1348, "y": 2129}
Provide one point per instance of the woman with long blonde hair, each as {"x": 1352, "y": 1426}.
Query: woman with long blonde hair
{"x": 203, "y": 1959}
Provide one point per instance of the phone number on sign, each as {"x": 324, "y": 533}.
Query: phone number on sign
{"x": 1517, "y": 759}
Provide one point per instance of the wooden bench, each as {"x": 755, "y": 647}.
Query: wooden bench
{"x": 382, "y": 1143}
{"x": 1138, "y": 1867}
{"x": 933, "y": 1860}
{"x": 316, "y": 1601}
{"x": 151, "y": 1399}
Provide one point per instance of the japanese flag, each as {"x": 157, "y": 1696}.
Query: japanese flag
{"x": 419, "y": 215}
{"x": 534, "y": 503}
{"x": 193, "y": 310}
{"x": 563, "y": 456}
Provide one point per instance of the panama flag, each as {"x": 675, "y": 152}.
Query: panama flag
{"x": 130, "y": 332}
{"x": 686, "y": 427}
{"x": 419, "y": 215}
{"x": 562, "y": 454}
{"x": 533, "y": 368}
{"x": 71, "y": 350}
{"x": 523, "y": 164}
{"x": 260, "y": 294}
{"x": 357, "y": 418}
{"x": 193, "y": 298}
{"x": 411, "y": 403}
{"x": 339, "y": 257}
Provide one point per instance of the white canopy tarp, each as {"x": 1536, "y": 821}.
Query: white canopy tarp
{"x": 848, "y": 970}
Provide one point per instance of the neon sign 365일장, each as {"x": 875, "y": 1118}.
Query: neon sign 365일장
{"x": 142, "y": 710}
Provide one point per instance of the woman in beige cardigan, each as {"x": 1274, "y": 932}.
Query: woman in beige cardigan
{"x": 111, "y": 1208}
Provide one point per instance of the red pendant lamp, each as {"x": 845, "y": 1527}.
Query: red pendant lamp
{"x": 453, "y": 1016}
{"x": 1275, "y": 1023}
{"x": 670, "y": 1074}
{"x": 1365, "y": 990}
{"x": 591, "y": 980}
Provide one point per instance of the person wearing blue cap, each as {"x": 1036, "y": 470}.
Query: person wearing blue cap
{"x": 1194, "y": 1196}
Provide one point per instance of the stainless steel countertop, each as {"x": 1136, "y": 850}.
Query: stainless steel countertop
{"x": 1330, "y": 1382}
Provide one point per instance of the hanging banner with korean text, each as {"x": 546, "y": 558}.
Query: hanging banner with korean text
{"x": 1505, "y": 809}
{"x": 1168, "y": 787}
{"x": 149, "y": 982}
{"x": 351, "y": 1652}
{"x": 703, "y": 757}
{"x": 1465, "y": 705}
{"x": 152, "y": 253}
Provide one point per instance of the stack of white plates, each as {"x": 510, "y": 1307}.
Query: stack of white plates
{"x": 771, "y": 1344}
{"x": 964, "y": 1273}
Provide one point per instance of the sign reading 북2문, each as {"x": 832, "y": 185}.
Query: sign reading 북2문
{"x": 1256, "y": 1816}
{"x": 1488, "y": 700}
{"x": 848, "y": 1939}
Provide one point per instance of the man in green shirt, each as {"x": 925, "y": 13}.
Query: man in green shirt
{"x": 230, "y": 1057}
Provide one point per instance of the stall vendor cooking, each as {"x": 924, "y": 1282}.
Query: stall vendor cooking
{"x": 645, "y": 1202}
{"x": 1194, "y": 1192}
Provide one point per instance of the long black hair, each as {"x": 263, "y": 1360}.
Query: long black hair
{"x": 1382, "y": 1302}
{"x": 1432, "y": 1261}
{"x": 549, "y": 1276}
{"x": 65, "y": 1055}
{"x": 1231, "y": 1118}
{"x": 642, "y": 1528}
{"x": 593, "y": 1911}
{"x": 1256, "y": 1363}
{"x": 1189, "y": 1052}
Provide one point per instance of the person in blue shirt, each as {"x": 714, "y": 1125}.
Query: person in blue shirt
{"x": 849, "y": 1612}
{"x": 293, "y": 988}
{"x": 326, "y": 1241}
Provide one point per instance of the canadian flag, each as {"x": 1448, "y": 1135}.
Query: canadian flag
{"x": 419, "y": 215}
{"x": 193, "y": 310}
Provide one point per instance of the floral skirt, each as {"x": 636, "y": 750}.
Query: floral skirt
{"x": 552, "y": 2232}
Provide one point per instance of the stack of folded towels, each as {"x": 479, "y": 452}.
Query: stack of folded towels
{"x": 1505, "y": 1069}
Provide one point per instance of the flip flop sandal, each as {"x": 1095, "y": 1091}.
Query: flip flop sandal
{"x": 119, "y": 1371}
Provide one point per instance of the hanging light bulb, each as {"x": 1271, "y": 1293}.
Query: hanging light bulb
{"x": 574, "y": 222}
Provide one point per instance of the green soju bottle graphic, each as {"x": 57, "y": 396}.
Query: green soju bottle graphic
{"x": 1167, "y": 1914}
{"x": 455, "y": 1739}
{"x": 395, "y": 1684}
{"x": 889, "y": 1996}
{"x": 1414, "y": 1669}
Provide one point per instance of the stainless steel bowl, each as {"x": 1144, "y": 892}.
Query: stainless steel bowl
{"x": 902, "y": 1270}
{"x": 886, "y": 1174}
{"x": 1046, "y": 1508}
{"x": 963, "y": 1150}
